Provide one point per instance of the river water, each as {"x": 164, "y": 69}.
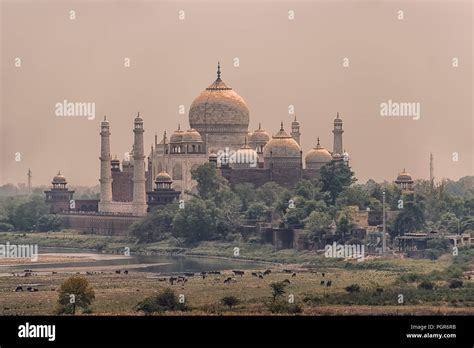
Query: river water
{"x": 167, "y": 264}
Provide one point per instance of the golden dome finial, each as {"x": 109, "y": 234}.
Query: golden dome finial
{"x": 281, "y": 126}
{"x": 218, "y": 70}
{"x": 318, "y": 142}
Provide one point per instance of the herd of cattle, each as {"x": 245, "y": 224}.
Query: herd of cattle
{"x": 183, "y": 278}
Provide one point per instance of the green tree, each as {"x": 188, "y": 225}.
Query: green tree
{"x": 335, "y": 177}
{"x": 230, "y": 301}
{"x": 196, "y": 222}
{"x": 49, "y": 222}
{"x": 278, "y": 289}
{"x": 256, "y": 210}
{"x": 317, "y": 223}
{"x": 75, "y": 292}
{"x": 155, "y": 225}
{"x": 411, "y": 218}
{"x": 25, "y": 215}
{"x": 246, "y": 194}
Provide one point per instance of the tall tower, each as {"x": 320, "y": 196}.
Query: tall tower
{"x": 431, "y": 169}
{"x": 337, "y": 131}
{"x": 139, "y": 206}
{"x": 295, "y": 131}
{"x": 105, "y": 167}
{"x": 29, "y": 181}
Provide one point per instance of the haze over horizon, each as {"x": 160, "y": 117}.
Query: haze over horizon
{"x": 282, "y": 62}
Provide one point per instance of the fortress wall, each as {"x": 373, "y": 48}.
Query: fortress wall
{"x": 99, "y": 224}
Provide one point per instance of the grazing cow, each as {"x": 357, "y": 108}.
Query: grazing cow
{"x": 260, "y": 276}
{"x": 161, "y": 279}
{"x": 204, "y": 276}
{"x": 53, "y": 289}
{"x": 172, "y": 280}
{"x": 125, "y": 272}
{"x": 29, "y": 288}
{"x": 268, "y": 271}
{"x": 189, "y": 274}
{"x": 322, "y": 274}
{"x": 118, "y": 271}
{"x": 228, "y": 280}
{"x": 328, "y": 283}
{"x": 54, "y": 272}
{"x": 287, "y": 271}
{"x": 294, "y": 274}
{"x": 240, "y": 273}
{"x": 35, "y": 289}
{"x": 255, "y": 274}
{"x": 322, "y": 282}
{"x": 19, "y": 288}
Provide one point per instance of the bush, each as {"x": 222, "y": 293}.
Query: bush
{"x": 284, "y": 307}
{"x": 49, "y": 222}
{"x": 426, "y": 285}
{"x": 161, "y": 302}
{"x": 230, "y": 301}
{"x": 353, "y": 288}
{"x": 455, "y": 283}
{"x": 5, "y": 227}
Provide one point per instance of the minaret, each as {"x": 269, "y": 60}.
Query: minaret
{"x": 139, "y": 206}
{"x": 431, "y": 170}
{"x": 337, "y": 148}
{"x": 295, "y": 131}
{"x": 105, "y": 167}
{"x": 29, "y": 181}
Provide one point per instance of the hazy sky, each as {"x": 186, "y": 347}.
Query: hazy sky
{"x": 282, "y": 62}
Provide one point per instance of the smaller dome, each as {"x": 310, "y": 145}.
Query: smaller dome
{"x": 59, "y": 179}
{"x": 318, "y": 155}
{"x": 163, "y": 177}
{"x": 259, "y": 136}
{"x": 281, "y": 146}
{"x": 115, "y": 160}
{"x": 177, "y": 135}
{"x": 191, "y": 135}
{"x": 245, "y": 156}
{"x": 404, "y": 176}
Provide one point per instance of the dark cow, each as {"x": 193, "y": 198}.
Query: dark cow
{"x": 189, "y": 274}
{"x": 228, "y": 280}
{"x": 255, "y": 274}
{"x": 172, "y": 280}
{"x": 322, "y": 274}
{"x": 260, "y": 276}
{"x": 328, "y": 283}
{"x": 322, "y": 282}
{"x": 118, "y": 271}
{"x": 240, "y": 273}
{"x": 267, "y": 272}
{"x": 19, "y": 288}
{"x": 294, "y": 274}
{"x": 287, "y": 271}
{"x": 125, "y": 272}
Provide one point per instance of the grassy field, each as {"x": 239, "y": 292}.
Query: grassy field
{"x": 380, "y": 282}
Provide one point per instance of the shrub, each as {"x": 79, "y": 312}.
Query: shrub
{"x": 353, "y": 288}
{"x": 161, "y": 302}
{"x": 284, "y": 307}
{"x": 426, "y": 285}
{"x": 230, "y": 301}
{"x": 5, "y": 227}
{"x": 455, "y": 283}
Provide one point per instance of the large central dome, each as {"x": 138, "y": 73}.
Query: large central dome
{"x": 220, "y": 115}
